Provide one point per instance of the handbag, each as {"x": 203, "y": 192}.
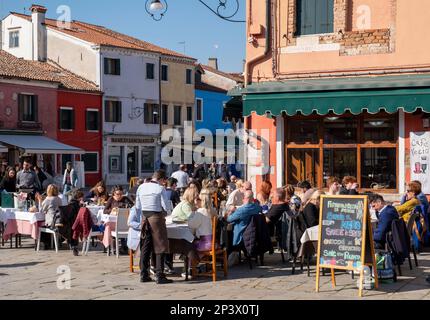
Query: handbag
{"x": 385, "y": 266}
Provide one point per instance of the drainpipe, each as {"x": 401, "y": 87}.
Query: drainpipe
{"x": 251, "y": 63}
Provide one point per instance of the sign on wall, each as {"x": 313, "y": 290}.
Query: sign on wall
{"x": 420, "y": 159}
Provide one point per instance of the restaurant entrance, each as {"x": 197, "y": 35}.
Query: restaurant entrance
{"x": 364, "y": 146}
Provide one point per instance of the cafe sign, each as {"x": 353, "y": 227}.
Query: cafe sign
{"x": 420, "y": 159}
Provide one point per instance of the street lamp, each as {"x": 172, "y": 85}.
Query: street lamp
{"x": 156, "y": 9}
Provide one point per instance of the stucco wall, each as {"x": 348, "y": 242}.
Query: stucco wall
{"x": 25, "y": 49}
{"x": 47, "y": 105}
{"x": 74, "y": 55}
{"x": 408, "y": 45}
{"x": 213, "y": 108}
{"x": 132, "y": 89}
{"x": 175, "y": 90}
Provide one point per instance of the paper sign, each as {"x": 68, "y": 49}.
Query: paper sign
{"x": 420, "y": 159}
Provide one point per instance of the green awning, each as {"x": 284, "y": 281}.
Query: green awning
{"x": 338, "y": 102}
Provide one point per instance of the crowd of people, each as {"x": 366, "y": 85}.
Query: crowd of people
{"x": 195, "y": 199}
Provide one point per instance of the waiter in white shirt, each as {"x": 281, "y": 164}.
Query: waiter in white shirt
{"x": 153, "y": 204}
{"x": 182, "y": 176}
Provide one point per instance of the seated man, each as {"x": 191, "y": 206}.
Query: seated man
{"x": 279, "y": 206}
{"x": 385, "y": 214}
{"x": 242, "y": 216}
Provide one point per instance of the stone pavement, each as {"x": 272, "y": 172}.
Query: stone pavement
{"x": 26, "y": 274}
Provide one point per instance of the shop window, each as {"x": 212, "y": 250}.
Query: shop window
{"x": 148, "y": 159}
{"x": 91, "y": 162}
{"x": 315, "y": 16}
{"x": 150, "y": 71}
{"x": 303, "y": 164}
{"x": 92, "y": 120}
{"x": 151, "y": 115}
{"x": 340, "y": 130}
{"x": 340, "y": 163}
{"x": 27, "y": 107}
{"x": 177, "y": 115}
{"x": 67, "y": 118}
{"x": 113, "y": 111}
{"x": 380, "y": 129}
{"x": 112, "y": 66}
{"x": 115, "y": 157}
{"x": 378, "y": 168}
{"x": 303, "y": 131}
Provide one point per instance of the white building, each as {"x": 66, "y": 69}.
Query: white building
{"x": 125, "y": 69}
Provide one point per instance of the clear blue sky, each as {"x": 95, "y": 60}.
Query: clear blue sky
{"x": 205, "y": 35}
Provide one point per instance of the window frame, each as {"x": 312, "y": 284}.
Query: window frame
{"x": 201, "y": 110}
{"x": 360, "y": 145}
{"x": 35, "y": 108}
{"x": 165, "y": 72}
{"x": 189, "y": 115}
{"x": 149, "y": 109}
{"x": 177, "y": 107}
{"x": 189, "y": 72}
{"x": 147, "y": 70}
{"x": 73, "y": 118}
{"x": 16, "y": 39}
{"x": 97, "y": 162}
{"x": 112, "y": 70}
{"x": 119, "y": 103}
{"x": 86, "y": 119}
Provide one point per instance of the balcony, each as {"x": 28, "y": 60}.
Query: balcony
{"x": 29, "y": 125}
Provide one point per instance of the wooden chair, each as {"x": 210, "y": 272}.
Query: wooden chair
{"x": 132, "y": 265}
{"x": 211, "y": 257}
{"x": 133, "y": 181}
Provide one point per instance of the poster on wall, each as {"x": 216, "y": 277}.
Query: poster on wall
{"x": 420, "y": 159}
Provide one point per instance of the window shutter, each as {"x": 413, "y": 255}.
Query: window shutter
{"x": 119, "y": 106}
{"x": 107, "y": 112}
{"x": 306, "y": 16}
{"x": 35, "y": 108}
{"x": 324, "y": 16}
{"x": 72, "y": 119}
{"x": 20, "y": 107}
{"x": 106, "y": 65}
{"x": 118, "y": 66}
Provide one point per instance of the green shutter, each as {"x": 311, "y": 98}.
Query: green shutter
{"x": 106, "y": 63}
{"x": 20, "y": 107}
{"x": 107, "y": 113}
{"x": 306, "y": 16}
{"x": 324, "y": 16}
{"x": 119, "y": 111}
{"x": 118, "y": 66}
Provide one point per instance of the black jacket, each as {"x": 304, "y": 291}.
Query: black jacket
{"x": 67, "y": 218}
{"x": 399, "y": 241}
{"x": 291, "y": 232}
{"x": 8, "y": 184}
{"x": 311, "y": 215}
{"x": 256, "y": 236}
{"x": 351, "y": 192}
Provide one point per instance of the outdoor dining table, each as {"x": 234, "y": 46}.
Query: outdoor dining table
{"x": 20, "y": 222}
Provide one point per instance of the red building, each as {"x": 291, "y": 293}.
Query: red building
{"x": 50, "y": 114}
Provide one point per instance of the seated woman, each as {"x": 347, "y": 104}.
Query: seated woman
{"x": 311, "y": 210}
{"x": 118, "y": 200}
{"x": 421, "y": 196}
{"x": 292, "y": 199}
{"x": 98, "y": 194}
{"x": 411, "y": 201}
{"x": 50, "y": 207}
{"x": 278, "y": 207}
{"x": 8, "y": 183}
{"x": 185, "y": 208}
{"x": 264, "y": 196}
{"x": 200, "y": 221}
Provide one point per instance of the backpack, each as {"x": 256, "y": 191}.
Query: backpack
{"x": 385, "y": 266}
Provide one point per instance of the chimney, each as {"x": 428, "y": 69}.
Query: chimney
{"x": 40, "y": 46}
{"x": 213, "y": 63}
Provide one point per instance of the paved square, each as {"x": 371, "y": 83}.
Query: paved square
{"x": 26, "y": 274}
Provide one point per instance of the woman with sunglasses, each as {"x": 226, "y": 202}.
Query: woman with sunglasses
{"x": 410, "y": 201}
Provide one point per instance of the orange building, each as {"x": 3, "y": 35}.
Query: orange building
{"x": 341, "y": 85}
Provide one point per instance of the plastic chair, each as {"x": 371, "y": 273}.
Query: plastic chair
{"x": 121, "y": 228}
{"x": 211, "y": 257}
{"x": 54, "y": 238}
{"x": 86, "y": 241}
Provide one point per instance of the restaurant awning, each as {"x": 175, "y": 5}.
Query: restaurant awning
{"x": 39, "y": 144}
{"x": 357, "y": 95}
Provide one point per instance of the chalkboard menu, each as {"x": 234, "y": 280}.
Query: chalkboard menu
{"x": 341, "y": 231}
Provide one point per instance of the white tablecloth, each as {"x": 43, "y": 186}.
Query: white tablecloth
{"x": 178, "y": 231}
{"x": 13, "y": 214}
{"x": 95, "y": 209}
{"x": 310, "y": 234}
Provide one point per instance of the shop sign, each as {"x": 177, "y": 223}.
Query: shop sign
{"x": 420, "y": 159}
{"x": 131, "y": 140}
